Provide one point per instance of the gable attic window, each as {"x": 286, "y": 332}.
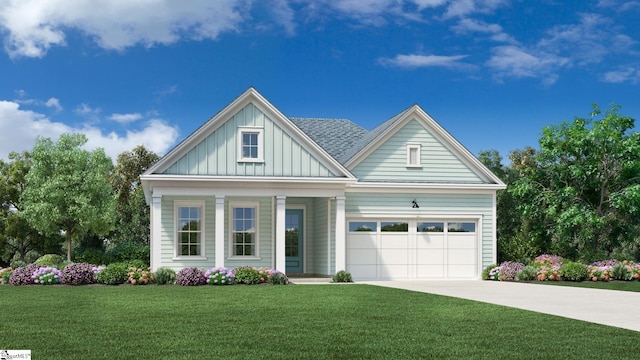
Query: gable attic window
{"x": 250, "y": 144}
{"x": 413, "y": 155}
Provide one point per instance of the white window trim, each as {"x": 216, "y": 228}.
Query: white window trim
{"x": 244, "y": 204}
{"x": 254, "y": 130}
{"x": 176, "y": 241}
{"x": 418, "y": 148}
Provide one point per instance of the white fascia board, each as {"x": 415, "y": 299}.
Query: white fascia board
{"x": 424, "y": 188}
{"x": 249, "y": 191}
{"x": 245, "y": 179}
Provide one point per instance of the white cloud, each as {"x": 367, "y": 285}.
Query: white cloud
{"x": 513, "y": 61}
{"x": 19, "y": 129}
{"x": 125, "y": 118}
{"x": 461, "y": 8}
{"x": 84, "y": 109}
{"x": 495, "y": 31}
{"x": 630, "y": 74}
{"x": 34, "y": 26}
{"x": 413, "y": 61}
{"x": 53, "y": 103}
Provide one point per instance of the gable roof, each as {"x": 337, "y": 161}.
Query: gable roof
{"x": 336, "y": 136}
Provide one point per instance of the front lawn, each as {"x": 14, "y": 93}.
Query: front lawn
{"x": 287, "y": 322}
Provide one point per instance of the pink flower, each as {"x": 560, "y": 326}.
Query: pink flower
{"x": 133, "y": 281}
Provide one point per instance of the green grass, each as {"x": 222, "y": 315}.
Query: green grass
{"x": 610, "y": 285}
{"x": 287, "y": 322}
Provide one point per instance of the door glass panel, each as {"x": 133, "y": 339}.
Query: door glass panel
{"x": 461, "y": 227}
{"x": 394, "y": 226}
{"x": 431, "y": 227}
{"x": 363, "y": 226}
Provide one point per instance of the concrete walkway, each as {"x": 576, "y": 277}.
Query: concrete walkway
{"x": 607, "y": 307}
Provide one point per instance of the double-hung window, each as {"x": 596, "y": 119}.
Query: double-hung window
{"x": 189, "y": 228}
{"x": 250, "y": 144}
{"x": 244, "y": 229}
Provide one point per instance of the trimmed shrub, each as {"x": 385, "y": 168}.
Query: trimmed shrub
{"x": 165, "y": 276}
{"x": 5, "y": 274}
{"x": 509, "y": 270}
{"x": 113, "y": 274}
{"x": 190, "y": 276}
{"x": 219, "y": 276}
{"x": 52, "y": 260}
{"x": 127, "y": 251}
{"x": 140, "y": 276}
{"x": 23, "y": 275}
{"x": 487, "y": 270}
{"x": 278, "y": 278}
{"x": 528, "y": 273}
{"x": 342, "y": 276}
{"x": 78, "y": 274}
{"x": 622, "y": 272}
{"x": 47, "y": 275}
{"x": 249, "y": 275}
{"x": 573, "y": 271}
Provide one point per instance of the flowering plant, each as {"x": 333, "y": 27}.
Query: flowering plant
{"x": 78, "y": 274}
{"x": 138, "y": 276}
{"x": 549, "y": 272}
{"x": 22, "y": 275}
{"x": 251, "y": 275}
{"x": 190, "y": 276}
{"x": 97, "y": 269}
{"x": 5, "y": 273}
{"x": 493, "y": 273}
{"x": 46, "y": 276}
{"x": 277, "y": 277}
{"x": 219, "y": 276}
{"x": 600, "y": 273}
{"x": 546, "y": 259}
{"x": 509, "y": 270}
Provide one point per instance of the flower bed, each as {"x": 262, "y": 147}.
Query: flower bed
{"x": 551, "y": 268}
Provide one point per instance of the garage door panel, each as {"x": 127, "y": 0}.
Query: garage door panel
{"x": 461, "y": 271}
{"x": 394, "y": 256}
{"x": 430, "y": 271}
{"x": 362, "y": 256}
{"x": 364, "y": 241}
{"x": 395, "y": 241}
{"x": 432, "y": 256}
{"x": 461, "y": 256}
{"x": 362, "y": 272}
{"x": 461, "y": 242}
{"x": 430, "y": 241}
{"x": 393, "y": 271}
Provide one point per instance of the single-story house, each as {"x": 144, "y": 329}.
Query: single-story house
{"x": 255, "y": 187}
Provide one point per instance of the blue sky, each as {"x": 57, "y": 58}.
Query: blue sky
{"x": 491, "y": 72}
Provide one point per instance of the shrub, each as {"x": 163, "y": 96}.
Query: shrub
{"x": 190, "y": 276}
{"x": 547, "y": 259}
{"x": 493, "y": 273}
{"x": 342, "y": 276}
{"x": 18, "y": 264}
{"x": 549, "y": 272}
{"x": 621, "y": 271}
{"x": 113, "y": 274}
{"x": 127, "y": 251}
{"x": 249, "y": 275}
{"x": 485, "y": 272}
{"x": 5, "y": 274}
{"x": 52, "y": 260}
{"x": 78, "y": 274}
{"x": 600, "y": 273}
{"x": 46, "y": 276}
{"x": 23, "y": 275}
{"x": 573, "y": 271}
{"x": 528, "y": 273}
{"x": 219, "y": 276}
{"x": 139, "y": 276}
{"x": 165, "y": 276}
{"x": 90, "y": 255}
{"x": 278, "y": 278}
{"x": 509, "y": 270}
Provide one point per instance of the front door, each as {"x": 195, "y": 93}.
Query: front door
{"x": 293, "y": 241}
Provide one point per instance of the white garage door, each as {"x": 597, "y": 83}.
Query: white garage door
{"x": 412, "y": 249}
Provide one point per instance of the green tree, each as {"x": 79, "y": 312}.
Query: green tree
{"x": 581, "y": 191}
{"x": 132, "y": 211}
{"x": 18, "y": 240}
{"x": 67, "y": 189}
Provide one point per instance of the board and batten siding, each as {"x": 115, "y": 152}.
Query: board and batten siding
{"x": 389, "y": 161}
{"x": 217, "y": 154}
{"x": 397, "y": 206}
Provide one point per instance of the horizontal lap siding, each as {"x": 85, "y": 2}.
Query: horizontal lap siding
{"x": 218, "y": 153}
{"x": 439, "y": 164}
{"x": 430, "y": 204}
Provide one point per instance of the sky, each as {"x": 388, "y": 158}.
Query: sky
{"x": 149, "y": 72}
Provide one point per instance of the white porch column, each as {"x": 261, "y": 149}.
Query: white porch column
{"x": 219, "y": 234}
{"x": 341, "y": 244}
{"x": 280, "y": 233}
{"x": 156, "y": 231}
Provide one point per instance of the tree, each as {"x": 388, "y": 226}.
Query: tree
{"x": 18, "y": 240}
{"x": 67, "y": 189}
{"x": 582, "y": 189}
{"x": 132, "y": 211}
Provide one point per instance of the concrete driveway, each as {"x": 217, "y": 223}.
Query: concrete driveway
{"x": 607, "y": 307}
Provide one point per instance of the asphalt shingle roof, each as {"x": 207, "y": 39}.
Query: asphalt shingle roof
{"x": 335, "y": 136}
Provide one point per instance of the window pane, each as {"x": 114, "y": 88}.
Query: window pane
{"x": 431, "y": 227}
{"x": 394, "y": 226}
{"x": 461, "y": 227}
{"x": 363, "y": 226}
{"x": 413, "y": 156}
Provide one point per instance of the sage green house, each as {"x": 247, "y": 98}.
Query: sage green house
{"x": 254, "y": 187}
